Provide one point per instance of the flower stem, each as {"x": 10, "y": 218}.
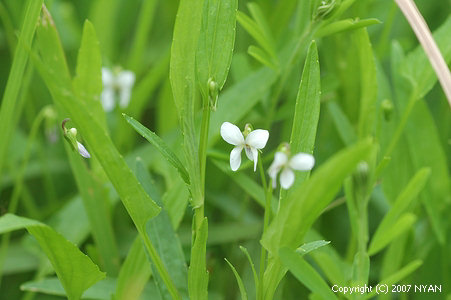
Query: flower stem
{"x": 162, "y": 271}
{"x": 268, "y": 194}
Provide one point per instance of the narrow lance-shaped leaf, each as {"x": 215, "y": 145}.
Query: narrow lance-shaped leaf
{"x": 238, "y": 280}
{"x": 160, "y": 145}
{"x": 404, "y": 200}
{"x": 368, "y": 87}
{"x": 306, "y": 111}
{"x": 184, "y": 88}
{"x": 165, "y": 240}
{"x": 15, "y": 77}
{"x": 88, "y": 80}
{"x": 305, "y": 273}
{"x": 75, "y": 270}
{"x": 216, "y": 41}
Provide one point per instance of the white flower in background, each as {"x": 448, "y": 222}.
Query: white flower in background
{"x": 116, "y": 82}
{"x": 282, "y": 161}
{"x": 251, "y": 141}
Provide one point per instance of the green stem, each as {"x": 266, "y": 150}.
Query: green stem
{"x": 268, "y": 194}
{"x": 199, "y": 211}
{"x": 162, "y": 271}
{"x": 398, "y": 132}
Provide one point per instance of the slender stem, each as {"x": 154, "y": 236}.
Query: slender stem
{"x": 162, "y": 271}
{"x": 398, "y": 132}
{"x": 199, "y": 211}
{"x": 268, "y": 194}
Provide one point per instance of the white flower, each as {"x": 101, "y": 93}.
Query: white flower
{"x": 121, "y": 83}
{"x": 253, "y": 141}
{"x": 82, "y": 150}
{"x": 300, "y": 162}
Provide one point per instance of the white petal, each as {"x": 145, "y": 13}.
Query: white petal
{"x": 302, "y": 162}
{"x": 107, "y": 99}
{"x": 255, "y": 157}
{"x": 124, "y": 97}
{"x": 125, "y": 79}
{"x": 82, "y": 150}
{"x": 280, "y": 159}
{"x": 286, "y": 178}
{"x": 257, "y": 138}
{"x": 235, "y": 158}
{"x": 232, "y": 134}
{"x": 107, "y": 78}
{"x": 249, "y": 153}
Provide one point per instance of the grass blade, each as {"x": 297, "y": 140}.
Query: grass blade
{"x": 238, "y": 280}
{"x": 16, "y": 75}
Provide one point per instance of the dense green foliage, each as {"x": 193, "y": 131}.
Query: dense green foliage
{"x": 151, "y": 208}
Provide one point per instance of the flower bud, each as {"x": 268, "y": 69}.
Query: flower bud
{"x": 213, "y": 93}
{"x": 387, "y": 109}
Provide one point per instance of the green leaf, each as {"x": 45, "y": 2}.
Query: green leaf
{"x": 238, "y": 280}
{"x": 102, "y": 290}
{"x": 216, "y": 41}
{"x": 342, "y": 123}
{"x": 368, "y": 83}
{"x": 134, "y": 273}
{"x": 382, "y": 239}
{"x": 13, "y": 85}
{"x": 197, "y": 275}
{"x": 307, "y": 201}
{"x": 416, "y": 65}
{"x": 52, "y": 286}
{"x": 345, "y": 25}
{"x": 306, "y": 111}
{"x": 165, "y": 240}
{"x": 388, "y": 227}
{"x": 88, "y": 80}
{"x": 251, "y": 263}
{"x": 161, "y": 146}
{"x": 261, "y": 56}
{"x": 306, "y": 248}
{"x": 305, "y": 273}
{"x": 97, "y": 206}
{"x": 75, "y": 270}
{"x": 257, "y": 33}
{"x": 398, "y": 276}
{"x": 184, "y": 87}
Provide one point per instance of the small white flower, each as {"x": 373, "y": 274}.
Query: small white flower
{"x": 253, "y": 141}
{"x": 82, "y": 150}
{"x": 122, "y": 83}
{"x": 300, "y": 162}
